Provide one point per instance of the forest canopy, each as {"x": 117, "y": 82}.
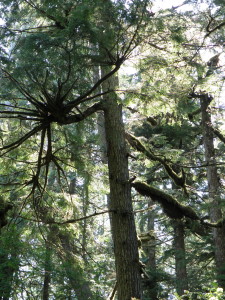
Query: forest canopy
{"x": 112, "y": 149}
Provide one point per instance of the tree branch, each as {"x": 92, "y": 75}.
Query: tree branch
{"x": 170, "y": 205}
{"x": 215, "y": 28}
{"x": 135, "y": 143}
{"x": 83, "y": 97}
{"x": 83, "y": 115}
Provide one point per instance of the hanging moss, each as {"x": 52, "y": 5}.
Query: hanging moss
{"x": 170, "y": 205}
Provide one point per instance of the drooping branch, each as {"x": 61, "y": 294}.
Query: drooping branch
{"x": 22, "y": 139}
{"x": 44, "y": 13}
{"x": 19, "y": 113}
{"x": 194, "y": 113}
{"x": 170, "y": 205}
{"x": 70, "y": 221}
{"x": 18, "y": 107}
{"x": 196, "y": 227}
{"x": 135, "y": 143}
{"x": 30, "y": 98}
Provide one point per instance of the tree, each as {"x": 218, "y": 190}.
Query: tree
{"x": 49, "y": 102}
{"x": 61, "y": 72}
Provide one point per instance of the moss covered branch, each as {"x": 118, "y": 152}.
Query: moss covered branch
{"x": 179, "y": 180}
{"x": 170, "y": 205}
{"x": 175, "y": 209}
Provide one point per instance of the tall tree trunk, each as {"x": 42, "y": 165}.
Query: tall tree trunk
{"x": 62, "y": 242}
{"x": 8, "y": 268}
{"x": 47, "y": 273}
{"x": 85, "y": 200}
{"x": 180, "y": 259}
{"x": 123, "y": 224}
{"x": 149, "y": 249}
{"x": 179, "y": 251}
{"x": 67, "y": 252}
{"x": 213, "y": 190}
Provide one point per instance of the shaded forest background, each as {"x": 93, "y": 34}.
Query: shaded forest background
{"x": 112, "y": 150}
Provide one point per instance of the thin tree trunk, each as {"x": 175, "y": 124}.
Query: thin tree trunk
{"x": 179, "y": 252}
{"x": 8, "y": 268}
{"x": 85, "y": 200}
{"x": 65, "y": 249}
{"x": 75, "y": 273}
{"x": 148, "y": 250}
{"x": 47, "y": 274}
{"x": 213, "y": 190}
{"x": 151, "y": 253}
{"x": 180, "y": 259}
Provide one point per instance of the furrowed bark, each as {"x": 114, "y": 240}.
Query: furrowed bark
{"x": 122, "y": 220}
{"x": 213, "y": 191}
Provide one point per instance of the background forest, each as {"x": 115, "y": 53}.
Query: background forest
{"x": 112, "y": 149}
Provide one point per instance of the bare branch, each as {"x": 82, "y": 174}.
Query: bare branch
{"x": 83, "y": 97}
{"x": 21, "y": 140}
{"x": 83, "y": 115}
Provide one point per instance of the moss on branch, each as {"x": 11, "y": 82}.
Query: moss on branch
{"x": 170, "y": 205}
{"x": 179, "y": 180}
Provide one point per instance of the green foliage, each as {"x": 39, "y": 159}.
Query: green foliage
{"x": 213, "y": 293}
{"x": 54, "y": 50}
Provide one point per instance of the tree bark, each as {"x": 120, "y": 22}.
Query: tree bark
{"x": 47, "y": 274}
{"x": 123, "y": 224}
{"x": 149, "y": 248}
{"x": 180, "y": 259}
{"x": 213, "y": 190}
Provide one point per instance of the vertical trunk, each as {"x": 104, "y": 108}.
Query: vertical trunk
{"x": 123, "y": 225}
{"x": 179, "y": 252}
{"x": 67, "y": 252}
{"x": 114, "y": 152}
{"x": 213, "y": 190}
{"x": 180, "y": 259}
{"x": 8, "y": 267}
{"x": 151, "y": 254}
{"x": 124, "y": 234}
{"x": 85, "y": 198}
{"x": 63, "y": 244}
{"x": 9, "y": 258}
{"x": 47, "y": 274}
{"x": 103, "y": 149}
{"x": 149, "y": 249}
